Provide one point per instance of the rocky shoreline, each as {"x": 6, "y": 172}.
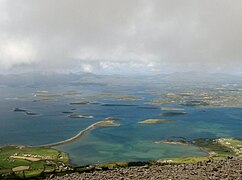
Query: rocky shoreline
{"x": 227, "y": 169}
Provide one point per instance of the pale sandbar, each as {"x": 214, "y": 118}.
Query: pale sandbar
{"x": 128, "y": 98}
{"x": 155, "y": 121}
{"x": 171, "y": 109}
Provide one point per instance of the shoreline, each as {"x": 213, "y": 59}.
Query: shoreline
{"x": 81, "y": 133}
{"x": 219, "y": 150}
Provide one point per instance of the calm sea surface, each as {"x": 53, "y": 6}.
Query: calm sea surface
{"x": 129, "y": 142}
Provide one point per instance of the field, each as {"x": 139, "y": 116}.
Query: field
{"x": 26, "y": 162}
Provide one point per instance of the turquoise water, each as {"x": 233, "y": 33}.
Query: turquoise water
{"x": 129, "y": 142}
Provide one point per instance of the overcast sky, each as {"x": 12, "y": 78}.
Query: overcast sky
{"x": 121, "y": 36}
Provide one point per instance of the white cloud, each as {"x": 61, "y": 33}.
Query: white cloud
{"x": 114, "y": 35}
{"x": 87, "y": 67}
{"x": 14, "y": 52}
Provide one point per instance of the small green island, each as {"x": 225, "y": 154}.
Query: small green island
{"x": 171, "y": 109}
{"x": 80, "y": 102}
{"x": 27, "y": 112}
{"x": 128, "y": 98}
{"x": 155, "y": 121}
{"x": 173, "y": 113}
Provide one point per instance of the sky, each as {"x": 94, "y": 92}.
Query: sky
{"x": 121, "y": 36}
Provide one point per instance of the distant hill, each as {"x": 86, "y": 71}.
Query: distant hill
{"x": 36, "y": 78}
{"x": 188, "y": 77}
{"x": 54, "y": 79}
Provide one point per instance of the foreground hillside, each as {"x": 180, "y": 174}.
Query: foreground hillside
{"x": 230, "y": 168}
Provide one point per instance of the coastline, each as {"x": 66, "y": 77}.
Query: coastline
{"x": 220, "y": 151}
{"x": 82, "y": 133}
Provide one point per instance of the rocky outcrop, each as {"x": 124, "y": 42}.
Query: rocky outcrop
{"x": 230, "y": 168}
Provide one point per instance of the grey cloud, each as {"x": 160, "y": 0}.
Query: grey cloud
{"x": 113, "y": 35}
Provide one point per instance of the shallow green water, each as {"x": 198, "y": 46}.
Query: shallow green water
{"x": 129, "y": 142}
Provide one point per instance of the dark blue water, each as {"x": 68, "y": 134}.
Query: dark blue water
{"x": 129, "y": 142}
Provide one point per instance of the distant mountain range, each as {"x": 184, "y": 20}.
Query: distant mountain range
{"x": 53, "y": 79}
{"x": 199, "y": 77}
